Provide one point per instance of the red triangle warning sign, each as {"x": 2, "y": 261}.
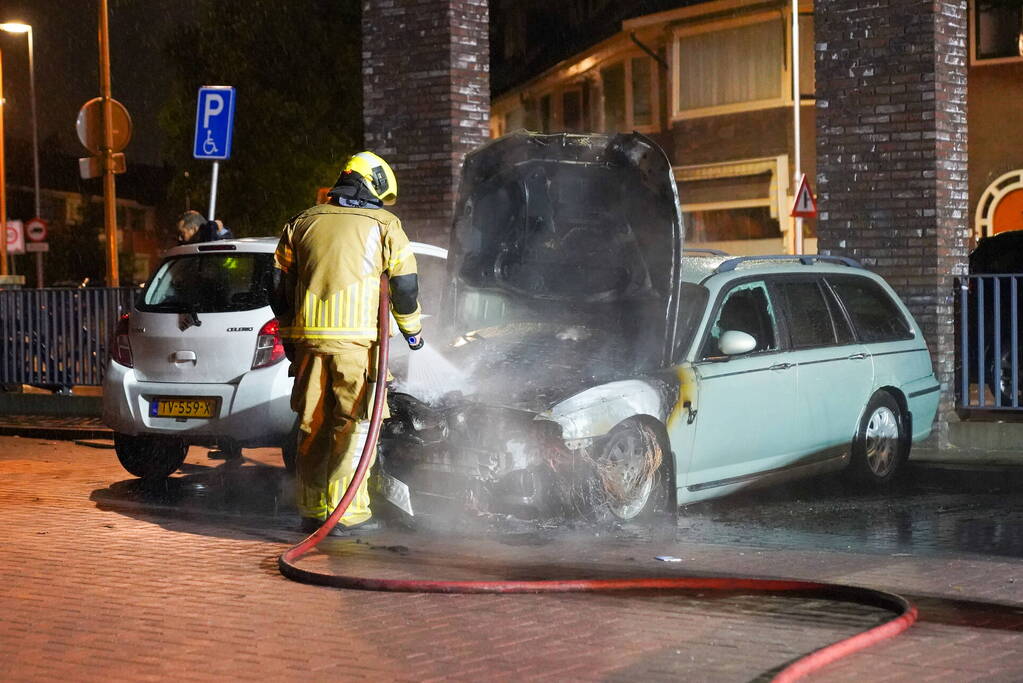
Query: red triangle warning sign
{"x": 805, "y": 206}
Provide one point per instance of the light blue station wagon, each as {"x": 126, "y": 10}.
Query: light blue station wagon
{"x": 607, "y": 372}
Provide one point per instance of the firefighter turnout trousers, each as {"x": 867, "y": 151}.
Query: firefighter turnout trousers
{"x": 333, "y": 396}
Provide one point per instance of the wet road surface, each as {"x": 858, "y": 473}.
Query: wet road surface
{"x": 162, "y": 575}
{"x": 932, "y": 510}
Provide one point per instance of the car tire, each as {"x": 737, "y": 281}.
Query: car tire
{"x": 881, "y": 444}
{"x": 150, "y": 457}
{"x": 633, "y": 481}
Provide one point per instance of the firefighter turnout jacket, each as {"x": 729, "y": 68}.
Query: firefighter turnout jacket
{"x": 333, "y": 257}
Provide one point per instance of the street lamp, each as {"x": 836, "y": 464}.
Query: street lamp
{"x": 18, "y": 27}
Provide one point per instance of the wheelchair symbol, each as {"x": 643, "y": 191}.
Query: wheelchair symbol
{"x": 208, "y": 146}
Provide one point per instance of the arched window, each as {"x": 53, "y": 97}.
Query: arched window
{"x": 1000, "y": 208}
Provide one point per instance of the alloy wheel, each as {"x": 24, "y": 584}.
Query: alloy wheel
{"x": 882, "y": 441}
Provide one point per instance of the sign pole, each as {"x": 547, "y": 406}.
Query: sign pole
{"x": 797, "y": 224}
{"x": 3, "y": 179}
{"x": 109, "y": 190}
{"x": 213, "y": 191}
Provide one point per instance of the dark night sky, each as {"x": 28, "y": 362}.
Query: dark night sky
{"x": 67, "y": 66}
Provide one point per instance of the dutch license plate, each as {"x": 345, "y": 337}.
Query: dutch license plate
{"x": 183, "y": 407}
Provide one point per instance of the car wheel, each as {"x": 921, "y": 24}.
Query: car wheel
{"x": 150, "y": 457}
{"x": 633, "y": 474}
{"x": 880, "y": 445}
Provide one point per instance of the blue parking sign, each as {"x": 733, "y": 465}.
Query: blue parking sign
{"x": 214, "y": 121}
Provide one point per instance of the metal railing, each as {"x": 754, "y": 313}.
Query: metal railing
{"x": 58, "y": 337}
{"x": 989, "y": 342}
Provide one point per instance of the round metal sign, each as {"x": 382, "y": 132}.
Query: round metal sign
{"x": 35, "y": 230}
{"x": 90, "y": 125}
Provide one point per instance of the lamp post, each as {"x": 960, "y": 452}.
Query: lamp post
{"x": 3, "y": 179}
{"x": 18, "y": 27}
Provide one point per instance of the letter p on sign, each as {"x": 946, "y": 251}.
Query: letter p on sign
{"x": 214, "y": 122}
{"x": 214, "y": 104}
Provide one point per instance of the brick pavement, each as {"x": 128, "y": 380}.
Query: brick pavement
{"x": 101, "y": 580}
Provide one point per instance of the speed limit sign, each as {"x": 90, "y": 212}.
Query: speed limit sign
{"x": 35, "y": 230}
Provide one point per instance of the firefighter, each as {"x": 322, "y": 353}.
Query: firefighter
{"x": 331, "y": 257}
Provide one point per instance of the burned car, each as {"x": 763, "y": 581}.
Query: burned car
{"x": 599, "y": 371}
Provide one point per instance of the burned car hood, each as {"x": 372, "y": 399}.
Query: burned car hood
{"x": 533, "y": 366}
{"x": 566, "y": 231}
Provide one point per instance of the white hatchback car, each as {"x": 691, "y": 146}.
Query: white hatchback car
{"x": 198, "y": 360}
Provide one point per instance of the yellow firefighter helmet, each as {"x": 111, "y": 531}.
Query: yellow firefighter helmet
{"x": 376, "y": 173}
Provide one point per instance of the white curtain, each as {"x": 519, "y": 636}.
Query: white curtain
{"x": 731, "y": 66}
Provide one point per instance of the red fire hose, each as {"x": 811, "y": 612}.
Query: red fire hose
{"x": 905, "y": 613}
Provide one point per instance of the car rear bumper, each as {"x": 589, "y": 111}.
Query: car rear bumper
{"x": 255, "y": 411}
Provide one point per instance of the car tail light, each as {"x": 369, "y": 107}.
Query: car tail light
{"x": 269, "y": 347}
{"x": 120, "y": 345}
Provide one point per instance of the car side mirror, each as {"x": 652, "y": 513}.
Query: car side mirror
{"x": 734, "y": 343}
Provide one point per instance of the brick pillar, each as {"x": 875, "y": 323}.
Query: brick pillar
{"x": 891, "y": 154}
{"x": 426, "y": 100}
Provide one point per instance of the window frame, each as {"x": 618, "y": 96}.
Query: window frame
{"x": 971, "y": 39}
{"x": 831, "y": 302}
{"x": 780, "y": 332}
{"x": 829, "y": 279}
{"x": 778, "y": 194}
{"x": 625, "y": 59}
{"x": 787, "y": 95}
{"x": 784, "y": 75}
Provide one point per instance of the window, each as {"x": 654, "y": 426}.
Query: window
{"x": 546, "y": 115}
{"x": 746, "y": 308}
{"x": 996, "y": 29}
{"x": 732, "y": 66}
{"x": 642, "y": 91}
{"x": 572, "y": 110}
{"x": 612, "y": 79}
{"x": 874, "y": 315}
{"x": 736, "y": 201}
{"x": 630, "y": 95}
{"x": 723, "y": 225}
{"x": 210, "y": 283}
{"x": 807, "y": 81}
{"x": 808, "y": 314}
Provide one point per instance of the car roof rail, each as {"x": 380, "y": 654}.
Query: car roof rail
{"x": 805, "y": 259}
{"x": 705, "y": 252}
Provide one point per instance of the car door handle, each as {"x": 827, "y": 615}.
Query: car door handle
{"x": 858, "y": 356}
{"x": 183, "y": 356}
{"x": 782, "y": 366}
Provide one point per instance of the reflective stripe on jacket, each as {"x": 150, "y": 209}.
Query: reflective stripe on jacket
{"x": 336, "y": 256}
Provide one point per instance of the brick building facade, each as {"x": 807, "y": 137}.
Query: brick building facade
{"x": 425, "y": 121}
{"x": 891, "y": 153}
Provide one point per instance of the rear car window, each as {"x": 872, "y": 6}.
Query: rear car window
{"x": 873, "y": 313}
{"x": 210, "y": 283}
{"x": 809, "y": 316}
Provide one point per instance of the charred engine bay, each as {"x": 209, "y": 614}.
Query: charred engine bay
{"x": 487, "y": 452}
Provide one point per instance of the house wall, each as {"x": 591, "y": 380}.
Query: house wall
{"x": 994, "y": 112}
